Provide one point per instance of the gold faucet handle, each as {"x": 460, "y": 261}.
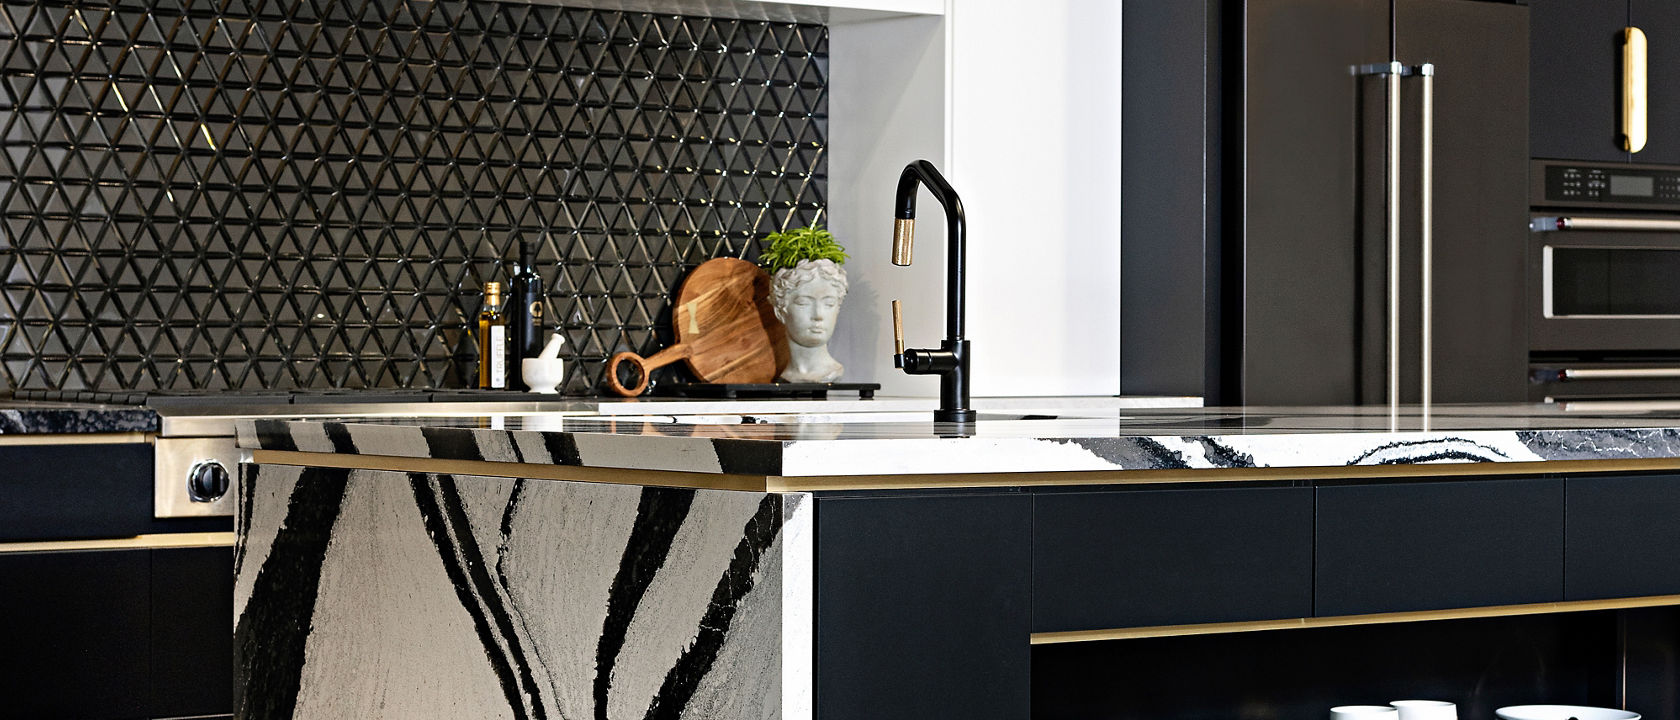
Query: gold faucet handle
{"x": 898, "y": 327}
{"x": 904, "y": 240}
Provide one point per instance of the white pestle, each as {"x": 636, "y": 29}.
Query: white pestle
{"x": 552, "y": 349}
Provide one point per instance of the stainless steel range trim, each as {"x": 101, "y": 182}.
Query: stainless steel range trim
{"x": 172, "y": 461}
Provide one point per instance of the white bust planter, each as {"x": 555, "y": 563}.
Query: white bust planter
{"x": 807, "y": 300}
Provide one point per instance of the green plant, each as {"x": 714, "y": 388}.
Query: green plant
{"x": 787, "y": 248}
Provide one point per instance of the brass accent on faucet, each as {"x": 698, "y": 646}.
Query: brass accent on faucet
{"x": 1635, "y": 98}
{"x": 904, "y": 239}
{"x": 898, "y": 328}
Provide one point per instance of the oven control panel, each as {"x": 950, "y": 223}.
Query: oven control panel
{"x": 1605, "y": 185}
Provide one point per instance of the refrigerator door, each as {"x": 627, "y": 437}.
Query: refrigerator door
{"x": 1314, "y": 258}
{"x": 1308, "y": 119}
{"x": 1480, "y": 196}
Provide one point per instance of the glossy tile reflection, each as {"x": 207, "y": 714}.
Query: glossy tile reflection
{"x": 261, "y": 194}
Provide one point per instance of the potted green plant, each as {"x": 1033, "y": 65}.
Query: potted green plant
{"x": 806, "y": 288}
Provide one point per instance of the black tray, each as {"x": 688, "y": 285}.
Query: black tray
{"x": 816, "y": 391}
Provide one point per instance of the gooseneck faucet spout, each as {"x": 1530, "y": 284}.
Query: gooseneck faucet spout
{"x": 950, "y": 361}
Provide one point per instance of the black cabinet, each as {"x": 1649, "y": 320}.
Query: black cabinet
{"x": 1622, "y": 538}
{"x": 1168, "y": 557}
{"x": 1575, "y": 79}
{"x": 75, "y": 628}
{"x": 191, "y": 632}
{"x": 1164, "y": 166}
{"x": 922, "y": 606}
{"x": 1660, "y": 19}
{"x": 137, "y": 633}
{"x": 55, "y": 492}
{"x": 1398, "y": 547}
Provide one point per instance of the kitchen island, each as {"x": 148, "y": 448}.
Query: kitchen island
{"x": 829, "y": 566}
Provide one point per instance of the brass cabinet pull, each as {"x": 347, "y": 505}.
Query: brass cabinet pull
{"x": 1635, "y": 99}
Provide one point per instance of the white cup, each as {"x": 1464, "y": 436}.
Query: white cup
{"x": 1426, "y": 710}
{"x": 1364, "y": 712}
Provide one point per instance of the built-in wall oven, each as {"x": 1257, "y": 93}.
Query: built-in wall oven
{"x": 1604, "y": 285}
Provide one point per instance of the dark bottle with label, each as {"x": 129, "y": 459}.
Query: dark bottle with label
{"x": 525, "y": 315}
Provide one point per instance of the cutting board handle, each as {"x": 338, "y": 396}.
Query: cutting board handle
{"x": 643, "y": 366}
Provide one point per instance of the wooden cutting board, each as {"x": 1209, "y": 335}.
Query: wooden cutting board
{"x": 726, "y": 330}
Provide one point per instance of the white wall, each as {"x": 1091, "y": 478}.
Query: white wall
{"x": 1018, "y": 103}
{"x": 1035, "y": 145}
{"x": 886, "y": 100}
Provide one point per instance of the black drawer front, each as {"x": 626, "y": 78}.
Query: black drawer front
{"x": 55, "y": 492}
{"x": 1170, "y": 557}
{"x": 1622, "y": 538}
{"x": 922, "y": 607}
{"x": 75, "y": 634}
{"x": 192, "y": 632}
{"x": 141, "y": 633}
{"x": 1437, "y": 545}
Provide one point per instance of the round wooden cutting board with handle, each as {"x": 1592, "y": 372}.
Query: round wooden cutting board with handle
{"x": 726, "y": 330}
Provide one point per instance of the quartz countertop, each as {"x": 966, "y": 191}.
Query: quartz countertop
{"x": 47, "y": 418}
{"x": 1099, "y": 439}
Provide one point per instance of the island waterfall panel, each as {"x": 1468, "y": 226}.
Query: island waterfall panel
{"x": 364, "y": 593}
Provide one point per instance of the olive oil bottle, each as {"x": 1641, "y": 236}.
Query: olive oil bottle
{"x": 492, "y": 340}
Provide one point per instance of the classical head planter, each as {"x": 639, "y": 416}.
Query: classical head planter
{"x": 807, "y": 298}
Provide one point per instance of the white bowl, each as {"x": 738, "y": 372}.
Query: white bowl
{"x": 1562, "y": 712}
{"x": 1426, "y": 709}
{"x": 1363, "y": 712}
{"x": 542, "y": 375}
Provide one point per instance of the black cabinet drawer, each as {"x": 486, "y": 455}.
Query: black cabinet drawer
{"x": 922, "y": 607}
{"x": 1622, "y": 538}
{"x": 192, "y": 632}
{"x": 133, "y": 633}
{"x": 1438, "y": 545}
{"x": 1170, "y": 557}
{"x": 74, "y": 629}
{"x": 54, "y": 492}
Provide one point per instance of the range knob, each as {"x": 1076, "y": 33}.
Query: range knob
{"x": 207, "y": 481}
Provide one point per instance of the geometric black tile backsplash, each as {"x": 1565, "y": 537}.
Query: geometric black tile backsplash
{"x": 311, "y": 193}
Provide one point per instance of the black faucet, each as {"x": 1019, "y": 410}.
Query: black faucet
{"x": 950, "y": 361}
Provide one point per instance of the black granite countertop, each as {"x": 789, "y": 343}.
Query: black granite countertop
{"x": 1121, "y": 439}
{"x": 48, "y": 418}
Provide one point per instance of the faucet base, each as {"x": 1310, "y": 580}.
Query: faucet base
{"x": 955, "y": 416}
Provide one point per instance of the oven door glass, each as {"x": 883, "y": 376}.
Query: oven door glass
{"x": 1604, "y": 292}
{"x": 1606, "y": 282}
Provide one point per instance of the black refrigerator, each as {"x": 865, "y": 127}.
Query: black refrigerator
{"x": 1351, "y": 127}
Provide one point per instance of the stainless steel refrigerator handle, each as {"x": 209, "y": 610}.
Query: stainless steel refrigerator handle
{"x": 1552, "y": 224}
{"x": 1394, "y": 71}
{"x": 1426, "y": 231}
{"x": 1393, "y": 167}
{"x": 1661, "y": 373}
